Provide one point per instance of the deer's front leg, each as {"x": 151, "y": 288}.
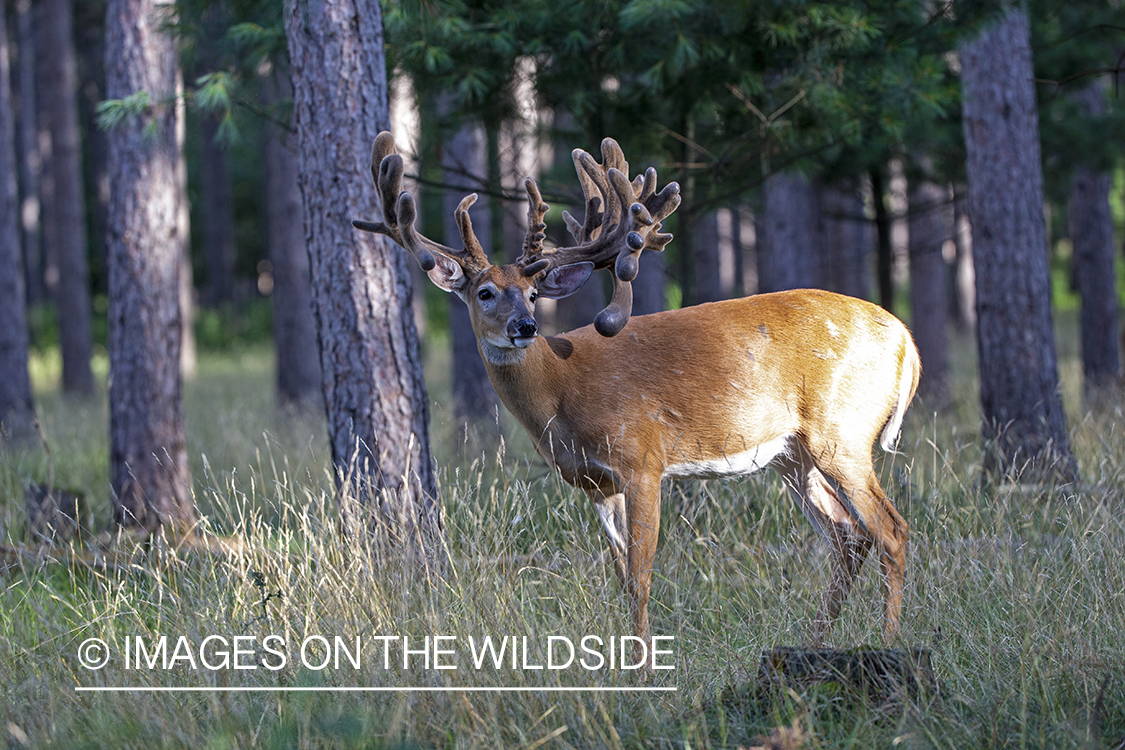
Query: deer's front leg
{"x": 642, "y": 501}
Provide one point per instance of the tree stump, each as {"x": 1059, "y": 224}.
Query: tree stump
{"x": 879, "y": 674}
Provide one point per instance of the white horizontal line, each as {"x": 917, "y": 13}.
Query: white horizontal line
{"x": 245, "y": 689}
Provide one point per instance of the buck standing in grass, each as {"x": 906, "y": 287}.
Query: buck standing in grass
{"x": 806, "y": 381}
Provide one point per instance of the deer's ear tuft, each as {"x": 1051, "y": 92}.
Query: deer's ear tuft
{"x": 447, "y": 274}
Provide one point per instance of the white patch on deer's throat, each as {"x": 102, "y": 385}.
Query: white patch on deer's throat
{"x": 731, "y": 464}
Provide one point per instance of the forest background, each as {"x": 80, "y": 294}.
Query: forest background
{"x": 824, "y": 145}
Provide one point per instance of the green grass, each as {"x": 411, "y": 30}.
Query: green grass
{"x": 1019, "y": 592}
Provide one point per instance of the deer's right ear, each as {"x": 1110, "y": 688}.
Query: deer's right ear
{"x": 447, "y": 274}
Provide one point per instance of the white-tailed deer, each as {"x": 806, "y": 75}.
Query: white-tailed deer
{"x": 806, "y": 381}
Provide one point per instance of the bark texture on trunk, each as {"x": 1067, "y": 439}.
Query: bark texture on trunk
{"x": 930, "y": 226}
{"x": 885, "y": 254}
{"x": 464, "y": 161}
{"x": 1091, "y": 232}
{"x": 64, "y": 218}
{"x": 294, "y": 330}
{"x": 148, "y": 457}
{"x": 377, "y": 407}
{"x": 787, "y": 256}
{"x": 1023, "y": 422}
{"x": 16, "y": 411}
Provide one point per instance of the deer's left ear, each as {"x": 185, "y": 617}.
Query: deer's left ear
{"x": 447, "y": 274}
{"x": 565, "y": 280}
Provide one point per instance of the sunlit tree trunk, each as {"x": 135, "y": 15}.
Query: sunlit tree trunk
{"x": 16, "y": 412}
{"x": 375, "y": 396}
{"x": 1023, "y": 422}
{"x": 148, "y": 457}
{"x": 64, "y": 218}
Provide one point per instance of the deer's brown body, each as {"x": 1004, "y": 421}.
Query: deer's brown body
{"x": 806, "y": 381}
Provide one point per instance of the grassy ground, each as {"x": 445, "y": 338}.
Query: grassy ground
{"x": 1019, "y": 592}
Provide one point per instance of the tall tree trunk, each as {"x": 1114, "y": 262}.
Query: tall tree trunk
{"x": 846, "y": 241}
{"x": 16, "y": 411}
{"x": 464, "y": 161}
{"x": 217, "y": 214}
{"x": 648, "y": 287}
{"x": 1024, "y": 424}
{"x": 65, "y": 215}
{"x": 1091, "y": 232}
{"x": 30, "y": 163}
{"x": 964, "y": 281}
{"x": 89, "y": 27}
{"x": 188, "y": 358}
{"x": 707, "y": 258}
{"x": 930, "y": 227}
{"x": 148, "y": 456}
{"x": 294, "y": 330}
{"x": 375, "y": 396}
{"x": 787, "y": 255}
{"x": 884, "y": 266}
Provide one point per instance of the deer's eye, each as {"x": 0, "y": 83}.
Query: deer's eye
{"x": 534, "y": 295}
{"x": 484, "y": 295}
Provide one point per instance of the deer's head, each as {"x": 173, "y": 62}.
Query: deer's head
{"x": 622, "y": 219}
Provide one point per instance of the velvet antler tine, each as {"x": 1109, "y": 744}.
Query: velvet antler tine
{"x": 613, "y": 318}
{"x": 536, "y": 227}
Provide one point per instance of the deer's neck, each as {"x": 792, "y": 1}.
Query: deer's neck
{"x": 525, "y": 380}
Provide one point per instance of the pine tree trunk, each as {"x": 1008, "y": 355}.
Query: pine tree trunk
{"x": 1091, "y": 232}
{"x": 64, "y": 219}
{"x": 218, "y": 218}
{"x": 930, "y": 227}
{"x": 30, "y": 164}
{"x": 884, "y": 265}
{"x": 16, "y": 411}
{"x": 188, "y": 358}
{"x": 1024, "y": 424}
{"x": 294, "y": 330}
{"x": 648, "y": 287}
{"x": 964, "y": 282}
{"x": 707, "y": 258}
{"x": 464, "y": 161}
{"x": 846, "y": 241}
{"x": 376, "y": 400}
{"x": 148, "y": 457}
{"x": 789, "y": 256}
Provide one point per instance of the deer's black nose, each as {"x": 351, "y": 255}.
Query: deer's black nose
{"x": 524, "y": 328}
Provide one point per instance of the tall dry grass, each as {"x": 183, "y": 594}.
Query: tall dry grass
{"x": 1018, "y": 591}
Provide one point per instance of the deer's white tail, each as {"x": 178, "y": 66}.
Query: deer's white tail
{"x": 909, "y": 372}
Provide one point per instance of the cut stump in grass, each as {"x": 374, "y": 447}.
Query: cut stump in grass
{"x": 879, "y": 674}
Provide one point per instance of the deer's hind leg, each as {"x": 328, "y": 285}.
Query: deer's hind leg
{"x": 828, "y": 508}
